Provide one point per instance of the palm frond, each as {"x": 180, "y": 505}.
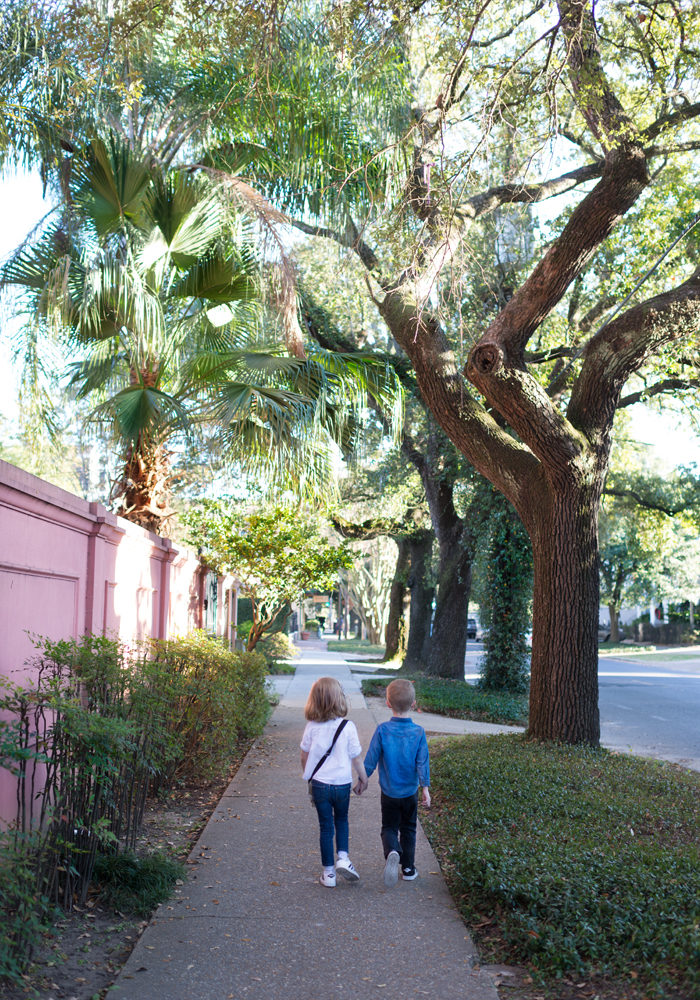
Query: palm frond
{"x": 218, "y": 277}
{"x": 189, "y": 217}
{"x": 140, "y": 412}
{"x": 112, "y": 181}
{"x": 238, "y": 401}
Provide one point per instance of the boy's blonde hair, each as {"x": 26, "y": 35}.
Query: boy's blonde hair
{"x": 326, "y": 700}
{"x": 401, "y": 695}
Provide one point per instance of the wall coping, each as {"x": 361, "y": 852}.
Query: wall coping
{"x": 103, "y": 521}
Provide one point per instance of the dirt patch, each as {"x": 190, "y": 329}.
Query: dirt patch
{"x": 82, "y": 957}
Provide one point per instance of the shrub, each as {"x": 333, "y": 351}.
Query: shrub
{"x": 243, "y": 630}
{"x": 587, "y": 861}
{"x": 213, "y": 698}
{"x": 276, "y": 648}
{"x": 132, "y": 883}
{"x": 85, "y": 742}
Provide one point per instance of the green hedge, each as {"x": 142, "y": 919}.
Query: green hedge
{"x": 587, "y": 862}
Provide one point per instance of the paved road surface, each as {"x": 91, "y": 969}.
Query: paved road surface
{"x": 650, "y": 705}
{"x": 649, "y": 702}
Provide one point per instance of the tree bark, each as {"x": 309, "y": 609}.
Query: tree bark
{"x": 448, "y": 643}
{"x": 396, "y": 626}
{"x": 421, "y": 610}
{"x": 564, "y": 672}
{"x": 614, "y": 622}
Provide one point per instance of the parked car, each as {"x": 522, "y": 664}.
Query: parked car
{"x": 471, "y": 628}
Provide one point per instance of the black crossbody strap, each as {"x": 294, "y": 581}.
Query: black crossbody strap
{"x": 329, "y": 751}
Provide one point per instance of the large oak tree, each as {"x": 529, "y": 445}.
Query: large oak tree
{"x": 553, "y": 467}
{"x": 616, "y": 92}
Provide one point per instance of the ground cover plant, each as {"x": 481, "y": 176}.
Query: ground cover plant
{"x": 458, "y": 700}
{"x": 133, "y": 883}
{"x": 572, "y": 861}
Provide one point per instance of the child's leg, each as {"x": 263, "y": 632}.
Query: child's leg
{"x": 324, "y": 808}
{"x": 407, "y": 830}
{"x": 341, "y": 806}
{"x": 391, "y": 819}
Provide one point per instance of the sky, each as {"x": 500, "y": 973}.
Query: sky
{"x": 669, "y": 436}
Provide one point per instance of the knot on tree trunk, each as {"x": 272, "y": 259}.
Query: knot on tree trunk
{"x": 485, "y": 359}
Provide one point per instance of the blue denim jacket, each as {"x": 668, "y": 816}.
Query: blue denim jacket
{"x": 400, "y": 749}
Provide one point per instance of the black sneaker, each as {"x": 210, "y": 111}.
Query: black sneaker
{"x": 408, "y": 874}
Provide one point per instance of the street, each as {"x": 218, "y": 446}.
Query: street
{"x": 649, "y": 702}
{"x": 650, "y": 705}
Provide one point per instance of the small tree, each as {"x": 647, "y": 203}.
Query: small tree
{"x": 276, "y": 553}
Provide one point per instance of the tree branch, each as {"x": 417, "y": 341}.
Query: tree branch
{"x": 621, "y": 347}
{"x": 528, "y": 194}
{"x": 669, "y": 509}
{"x": 362, "y": 249}
{"x": 666, "y": 385}
{"x": 678, "y": 117}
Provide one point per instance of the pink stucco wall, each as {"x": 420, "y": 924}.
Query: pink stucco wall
{"x": 69, "y": 567}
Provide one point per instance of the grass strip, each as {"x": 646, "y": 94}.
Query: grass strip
{"x": 459, "y": 700}
{"x": 572, "y": 861}
{"x": 354, "y": 646}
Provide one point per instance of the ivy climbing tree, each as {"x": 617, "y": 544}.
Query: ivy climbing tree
{"x": 506, "y": 665}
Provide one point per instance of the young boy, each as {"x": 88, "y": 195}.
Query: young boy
{"x": 400, "y": 750}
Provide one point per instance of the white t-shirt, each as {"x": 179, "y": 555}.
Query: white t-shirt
{"x": 317, "y": 737}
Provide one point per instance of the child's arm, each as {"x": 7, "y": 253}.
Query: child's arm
{"x": 423, "y": 767}
{"x": 362, "y": 779}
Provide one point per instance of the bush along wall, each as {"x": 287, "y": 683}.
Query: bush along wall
{"x": 100, "y": 729}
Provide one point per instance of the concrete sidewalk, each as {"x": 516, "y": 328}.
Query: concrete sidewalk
{"x": 252, "y": 921}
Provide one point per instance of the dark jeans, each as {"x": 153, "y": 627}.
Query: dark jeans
{"x": 332, "y": 804}
{"x": 399, "y": 821}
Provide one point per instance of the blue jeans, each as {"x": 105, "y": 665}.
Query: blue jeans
{"x": 332, "y": 804}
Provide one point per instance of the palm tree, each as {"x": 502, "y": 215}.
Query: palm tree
{"x": 142, "y": 268}
{"x": 151, "y": 277}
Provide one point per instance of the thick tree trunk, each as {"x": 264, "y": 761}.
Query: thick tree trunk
{"x": 448, "y": 644}
{"x": 614, "y": 612}
{"x": 564, "y": 670}
{"x": 396, "y": 625}
{"x": 421, "y": 611}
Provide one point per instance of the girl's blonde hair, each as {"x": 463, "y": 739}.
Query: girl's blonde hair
{"x": 326, "y": 700}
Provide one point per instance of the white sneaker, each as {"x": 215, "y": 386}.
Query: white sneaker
{"x": 347, "y": 869}
{"x": 391, "y": 869}
{"x": 327, "y": 879}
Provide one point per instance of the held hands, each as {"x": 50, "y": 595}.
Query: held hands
{"x": 426, "y": 798}
{"x": 361, "y": 786}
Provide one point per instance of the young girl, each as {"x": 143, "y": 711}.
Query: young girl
{"x": 330, "y": 785}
